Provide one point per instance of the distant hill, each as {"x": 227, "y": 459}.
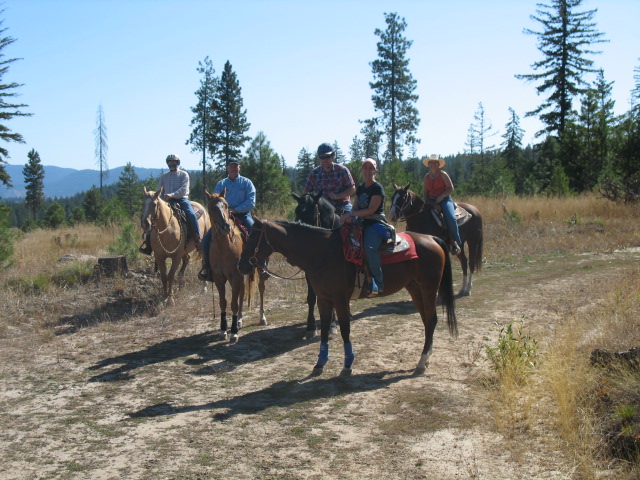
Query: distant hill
{"x": 65, "y": 182}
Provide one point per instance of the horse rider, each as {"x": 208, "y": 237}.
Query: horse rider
{"x": 332, "y": 179}
{"x": 438, "y": 188}
{"x": 176, "y": 190}
{"x": 370, "y": 211}
{"x": 240, "y": 195}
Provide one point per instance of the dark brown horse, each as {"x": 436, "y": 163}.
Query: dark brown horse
{"x": 407, "y": 205}
{"x": 318, "y": 252}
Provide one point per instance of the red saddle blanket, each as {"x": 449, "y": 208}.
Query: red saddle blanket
{"x": 354, "y": 253}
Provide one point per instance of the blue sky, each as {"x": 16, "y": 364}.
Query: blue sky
{"x": 303, "y": 66}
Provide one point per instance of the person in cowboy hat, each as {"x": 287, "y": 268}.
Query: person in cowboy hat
{"x": 438, "y": 188}
{"x": 240, "y": 194}
{"x": 176, "y": 190}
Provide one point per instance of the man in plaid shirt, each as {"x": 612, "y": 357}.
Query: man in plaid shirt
{"x": 332, "y": 179}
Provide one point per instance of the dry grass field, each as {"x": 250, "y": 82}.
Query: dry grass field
{"x": 101, "y": 380}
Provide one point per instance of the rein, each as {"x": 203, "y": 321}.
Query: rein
{"x": 408, "y": 202}
{"x": 154, "y": 219}
{"x": 254, "y": 259}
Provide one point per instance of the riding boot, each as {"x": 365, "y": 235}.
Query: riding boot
{"x": 145, "y": 248}
{"x": 205, "y": 272}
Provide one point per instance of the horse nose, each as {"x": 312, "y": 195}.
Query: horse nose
{"x": 244, "y": 267}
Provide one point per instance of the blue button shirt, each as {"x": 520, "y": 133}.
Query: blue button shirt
{"x": 240, "y": 194}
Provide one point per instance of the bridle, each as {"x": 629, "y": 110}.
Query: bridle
{"x": 154, "y": 219}
{"x": 219, "y": 229}
{"x": 253, "y": 260}
{"x": 408, "y": 203}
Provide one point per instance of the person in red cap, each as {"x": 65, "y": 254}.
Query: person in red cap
{"x": 369, "y": 209}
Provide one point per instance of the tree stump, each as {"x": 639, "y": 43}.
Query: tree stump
{"x": 109, "y": 266}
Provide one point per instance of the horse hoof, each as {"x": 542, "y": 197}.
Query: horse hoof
{"x": 311, "y": 334}
{"x": 222, "y": 335}
{"x": 346, "y": 372}
{"x": 334, "y": 330}
{"x": 233, "y": 338}
{"x": 420, "y": 372}
{"x": 263, "y": 322}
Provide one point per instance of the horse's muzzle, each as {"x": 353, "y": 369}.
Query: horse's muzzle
{"x": 244, "y": 267}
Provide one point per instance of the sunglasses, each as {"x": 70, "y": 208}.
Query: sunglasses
{"x": 325, "y": 157}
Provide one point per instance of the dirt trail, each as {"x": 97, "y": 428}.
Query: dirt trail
{"x": 159, "y": 398}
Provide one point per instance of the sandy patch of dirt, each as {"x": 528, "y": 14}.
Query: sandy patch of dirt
{"x": 128, "y": 388}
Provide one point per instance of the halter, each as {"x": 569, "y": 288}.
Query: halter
{"x": 218, "y": 229}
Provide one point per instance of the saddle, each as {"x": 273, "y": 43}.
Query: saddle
{"x": 398, "y": 248}
{"x": 462, "y": 216}
{"x": 182, "y": 218}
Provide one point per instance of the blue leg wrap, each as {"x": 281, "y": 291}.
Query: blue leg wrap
{"x": 349, "y": 356}
{"x": 324, "y": 354}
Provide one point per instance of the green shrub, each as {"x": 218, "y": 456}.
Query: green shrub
{"x": 73, "y": 274}
{"x": 515, "y": 356}
{"x": 126, "y": 244}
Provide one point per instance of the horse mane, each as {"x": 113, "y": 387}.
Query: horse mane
{"x": 300, "y": 226}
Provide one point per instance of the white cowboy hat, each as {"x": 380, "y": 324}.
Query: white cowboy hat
{"x": 433, "y": 158}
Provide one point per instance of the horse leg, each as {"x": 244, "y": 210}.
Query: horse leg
{"x": 466, "y": 280}
{"x": 220, "y": 285}
{"x": 183, "y": 267}
{"x": 425, "y": 303}
{"x": 342, "y": 310}
{"x": 325, "y": 307}
{"x": 261, "y": 286}
{"x": 163, "y": 277}
{"x": 237, "y": 297}
{"x": 170, "y": 278}
{"x": 311, "y": 319}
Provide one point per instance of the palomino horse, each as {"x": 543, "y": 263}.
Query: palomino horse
{"x": 406, "y": 205}
{"x": 169, "y": 237}
{"x": 317, "y": 211}
{"x": 318, "y": 252}
{"x": 224, "y": 253}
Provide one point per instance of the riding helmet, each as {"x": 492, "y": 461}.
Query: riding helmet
{"x": 173, "y": 157}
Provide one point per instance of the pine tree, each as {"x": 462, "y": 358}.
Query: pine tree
{"x": 512, "y": 152}
{"x": 565, "y": 42}
{"x": 231, "y": 117}
{"x": 262, "y": 166}
{"x": 33, "y": 173}
{"x": 303, "y": 167}
{"x": 203, "y": 136}
{"x": 130, "y": 192}
{"x": 394, "y": 88}
{"x": 93, "y": 204}
{"x": 101, "y": 145}
{"x": 8, "y": 110}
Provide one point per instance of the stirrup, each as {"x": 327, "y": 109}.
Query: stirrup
{"x": 204, "y": 274}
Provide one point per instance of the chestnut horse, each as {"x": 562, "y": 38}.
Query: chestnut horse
{"x": 169, "y": 237}
{"x": 314, "y": 209}
{"x": 224, "y": 253}
{"x": 318, "y": 252}
{"x": 407, "y": 205}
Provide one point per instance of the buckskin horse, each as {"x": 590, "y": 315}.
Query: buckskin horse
{"x": 319, "y": 252}
{"x": 224, "y": 253}
{"x": 407, "y": 205}
{"x": 317, "y": 211}
{"x": 169, "y": 239}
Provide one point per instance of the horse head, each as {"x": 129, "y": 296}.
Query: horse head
{"x": 150, "y": 208}
{"x": 314, "y": 209}
{"x": 401, "y": 202}
{"x": 218, "y": 209}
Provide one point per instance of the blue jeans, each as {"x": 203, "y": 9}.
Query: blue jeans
{"x": 373, "y": 237}
{"x": 448, "y": 211}
{"x": 185, "y": 206}
{"x": 245, "y": 219}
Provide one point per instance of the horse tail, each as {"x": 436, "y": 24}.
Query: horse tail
{"x": 249, "y": 286}
{"x": 446, "y": 290}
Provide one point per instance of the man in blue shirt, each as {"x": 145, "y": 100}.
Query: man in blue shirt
{"x": 240, "y": 194}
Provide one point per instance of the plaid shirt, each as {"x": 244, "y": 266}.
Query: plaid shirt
{"x": 176, "y": 183}
{"x": 334, "y": 181}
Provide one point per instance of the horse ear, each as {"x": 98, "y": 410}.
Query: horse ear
{"x": 207, "y": 194}
{"x": 407, "y": 186}
{"x": 318, "y": 196}
{"x": 223, "y": 192}
{"x": 159, "y": 192}
{"x": 145, "y": 189}
{"x": 295, "y": 196}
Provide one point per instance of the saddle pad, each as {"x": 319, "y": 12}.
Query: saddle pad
{"x": 406, "y": 250}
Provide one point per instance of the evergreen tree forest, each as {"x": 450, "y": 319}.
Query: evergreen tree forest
{"x": 583, "y": 147}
